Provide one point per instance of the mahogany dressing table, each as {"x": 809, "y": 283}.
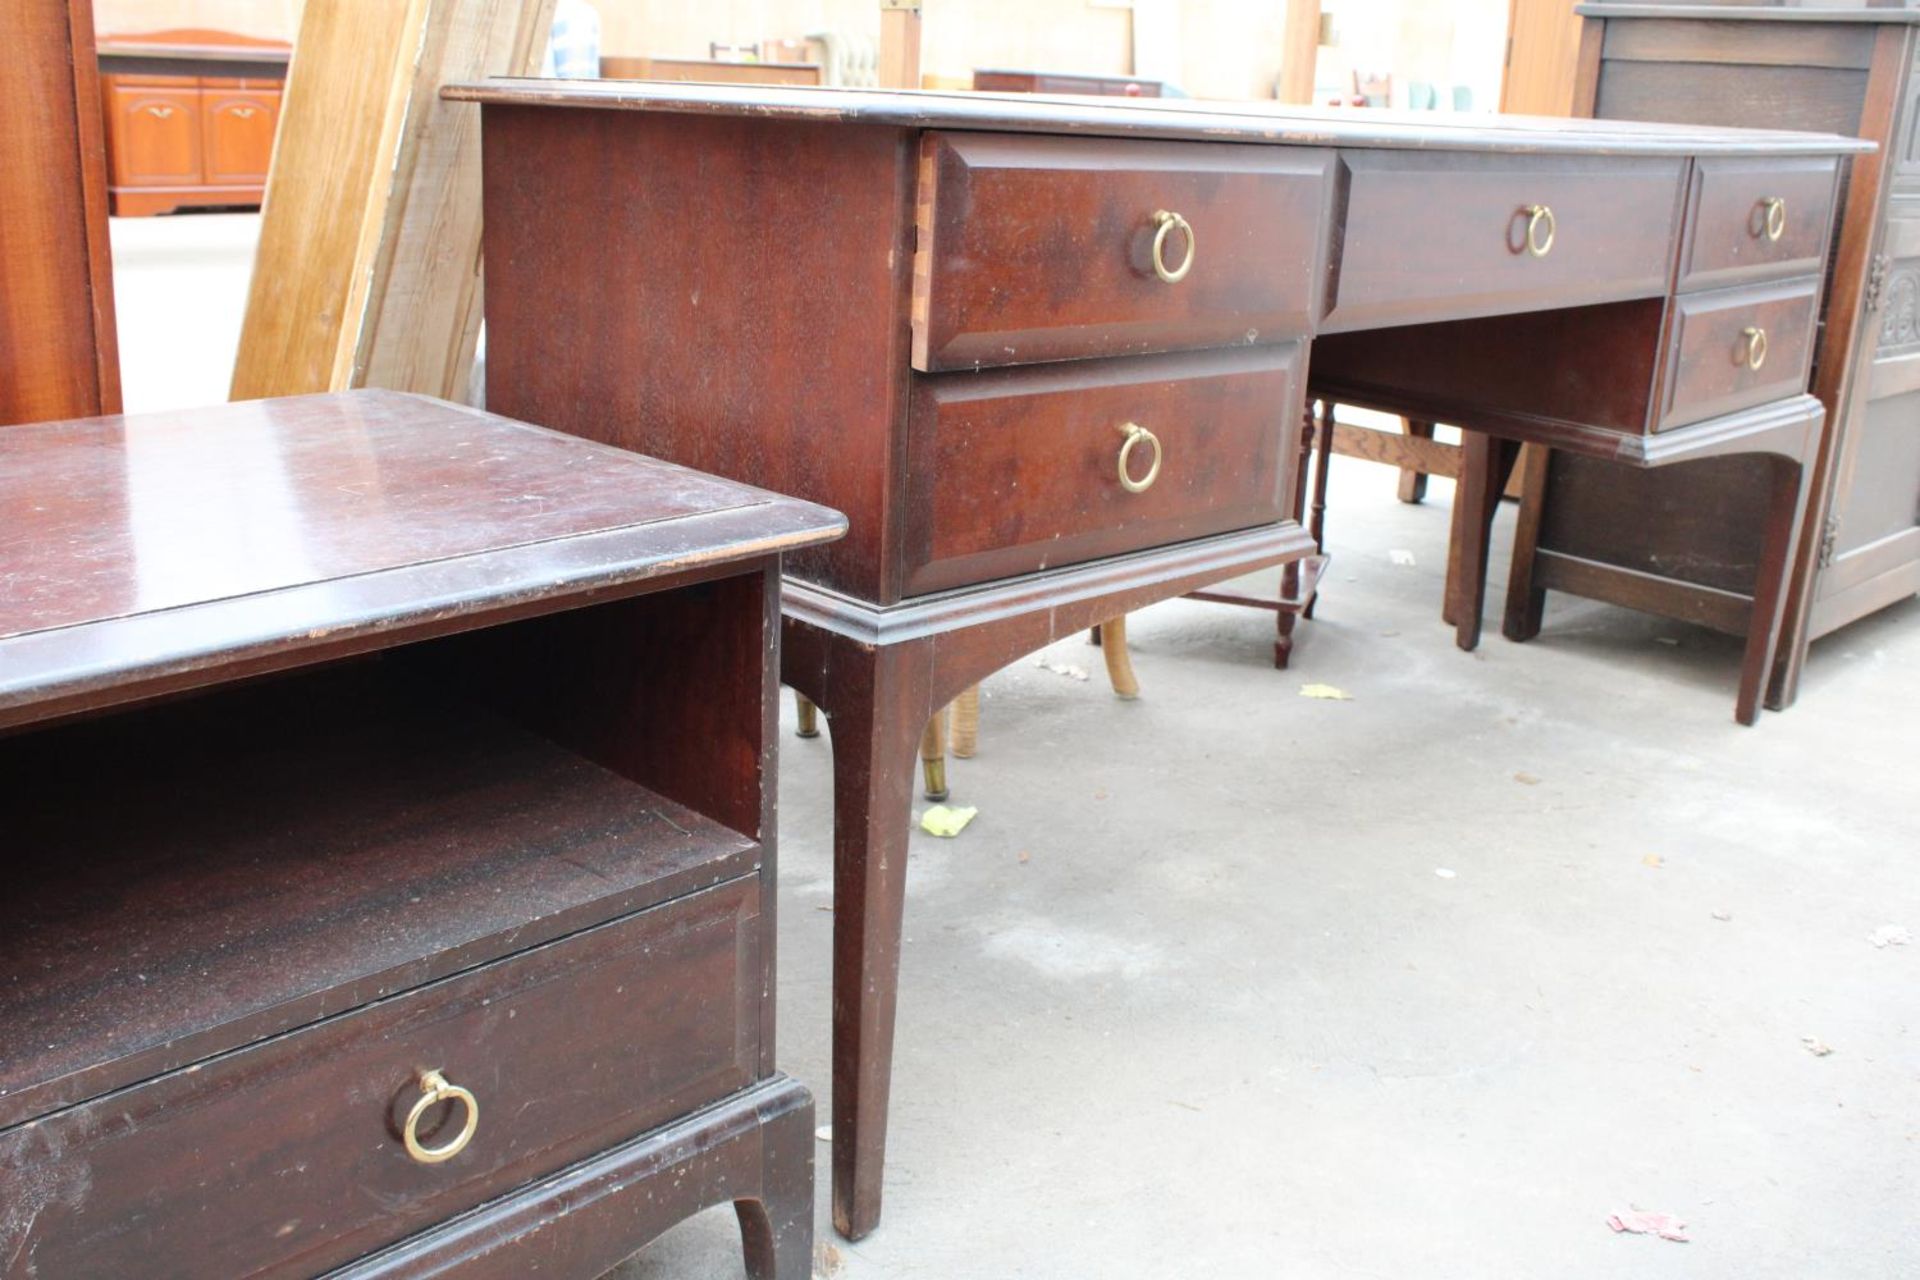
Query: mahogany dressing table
{"x": 1051, "y": 358}
{"x": 386, "y": 808}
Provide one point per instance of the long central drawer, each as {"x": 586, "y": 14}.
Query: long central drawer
{"x": 287, "y": 1158}
{"x": 1016, "y": 470}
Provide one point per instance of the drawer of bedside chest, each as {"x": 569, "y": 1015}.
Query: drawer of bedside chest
{"x": 1445, "y": 237}
{"x": 1735, "y": 348}
{"x": 1757, "y": 219}
{"x": 287, "y": 1158}
{"x": 1024, "y": 469}
{"x": 1045, "y": 248}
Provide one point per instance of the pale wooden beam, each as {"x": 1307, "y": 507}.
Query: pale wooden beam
{"x": 367, "y": 271}
{"x": 899, "y": 44}
{"x": 1300, "y": 51}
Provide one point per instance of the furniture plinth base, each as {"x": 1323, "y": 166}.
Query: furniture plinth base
{"x": 880, "y": 673}
{"x": 755, "y": 1149}
{"x": 141, "y": 202}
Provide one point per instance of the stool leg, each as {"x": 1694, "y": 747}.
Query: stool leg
{"x": 966, "y": 723}
{"x": 1113, "y": 646}
{"x": 933, "y": 755}
{"x": 809, "y": 717}
{"x": 1413, "y": 484}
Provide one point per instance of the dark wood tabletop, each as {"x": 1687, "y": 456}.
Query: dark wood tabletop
{"x": 1183, "y": 118}
{"x": 143, "y": 553}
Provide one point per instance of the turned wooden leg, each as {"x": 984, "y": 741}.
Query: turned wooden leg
{"x": 966, "y": 722}
{"x": 776, "y": 1226}
{"x": 1786, "y": 506}
{"x": 1290, "y": 574}
{"x": 1119, "y": 659}
{"x": 933, "y": 755}
{"x": 1413, "y": 484}
{"x": 1485, "y": 464}
{"x": 809, "y": 717}
{"x": 1527, "y": 603}
{"x": 1322, "y": 468}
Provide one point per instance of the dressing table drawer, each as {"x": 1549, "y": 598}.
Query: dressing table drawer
{"x": 1756, "y": 219}
{"x": 1047, "y": 248}
{"x": 1735, "y": 348}
{"x": 1441, "y": 237}
{"x": 1019, "y": 470}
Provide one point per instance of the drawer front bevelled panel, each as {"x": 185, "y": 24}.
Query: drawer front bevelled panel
{"x": 289, "y": 1157}
{"x": 1033, "y": 248}
{"x": 1732, "y": 349}
{"x": 1448, "y": 236}
{"x": 1757, "y": 219}
{"x": 1018, "y": 470}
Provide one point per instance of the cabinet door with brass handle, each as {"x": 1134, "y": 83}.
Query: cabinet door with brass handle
{"x": 154, "y": 136}
{"x": 1015, "y": 470}
{"x": 1033, "y": 248}
{"x": 238, "y": 127}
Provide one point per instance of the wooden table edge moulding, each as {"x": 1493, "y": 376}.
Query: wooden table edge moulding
{"x": 388, "y": 790}
{"x": 1052, "y": 358}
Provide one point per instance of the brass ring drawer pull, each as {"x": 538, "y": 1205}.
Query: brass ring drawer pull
{"x": 434, "y": 1089}
{"x": 1754, "y": 353}
{"x": 1539, "y": 216}
{"x": 1773, "y": 219}
{"x": 1166, "y": 220}
{"x": 1135, "y": 433}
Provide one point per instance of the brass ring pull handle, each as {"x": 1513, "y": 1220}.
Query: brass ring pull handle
{"x": 1754, "y": 353}
{"x": 1135, "y": 433}
{"x": 1166, "y": 220}
{"x": 434, "y": 1089}
{"x": 1773, "y": 218}
{"x": 1538, "y": 216}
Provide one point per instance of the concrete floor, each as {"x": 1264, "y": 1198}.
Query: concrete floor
{"x": 1228, "y": 982}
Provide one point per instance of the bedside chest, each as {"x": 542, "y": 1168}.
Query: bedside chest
{"x": 389, "y": 854}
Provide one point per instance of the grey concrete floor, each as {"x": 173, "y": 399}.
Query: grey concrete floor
{"x": 1193, "y": 997}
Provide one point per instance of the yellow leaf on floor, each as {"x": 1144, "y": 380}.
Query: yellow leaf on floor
{"x": 942, "y": 820}
{"x": 1329, "y": 692}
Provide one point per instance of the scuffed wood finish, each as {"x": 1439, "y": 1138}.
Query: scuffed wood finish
{"x": 1053, "y": 436}
{"x": 367, "y": 270}
{"x": 1041, "y": 248}
{"x": 358, "y": 517}
{"x": 59, "y": 356}
{"x": 180, "y": 1171}
{"x": 1183, "y": 118}
{"x": 448, "y": 834}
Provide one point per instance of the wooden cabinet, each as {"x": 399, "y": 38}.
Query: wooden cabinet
{"x": 1687, "y": 544}
{"x": 179, "y": 141}
{"x": 408, "y": 943}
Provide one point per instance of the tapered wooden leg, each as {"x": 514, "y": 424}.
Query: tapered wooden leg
{"x": 933, "y": 756}
{"x": 1322, "y": 469}
{"x": 1485, "y": 464}
{"x": 878, "y": 702}
{"x": 966, "y": 722}
{"x": 1413, "y": 484}
{"x": 1527, "y": 603}
{"x": 1287, "y": 616}
{"x": 809, "y": 717}
{"x": 776, "y": 1226}
{"x": 1119, "y": 659}
{"x": 1786, "y": 506}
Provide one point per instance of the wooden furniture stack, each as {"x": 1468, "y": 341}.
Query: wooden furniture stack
{"x": 1051, "y": 358}
{"x": 179, "y": 141}
{"x": 1002, "y": 80}
{"x": 1687, "y": 544}
{"x": 389, "y": 886}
